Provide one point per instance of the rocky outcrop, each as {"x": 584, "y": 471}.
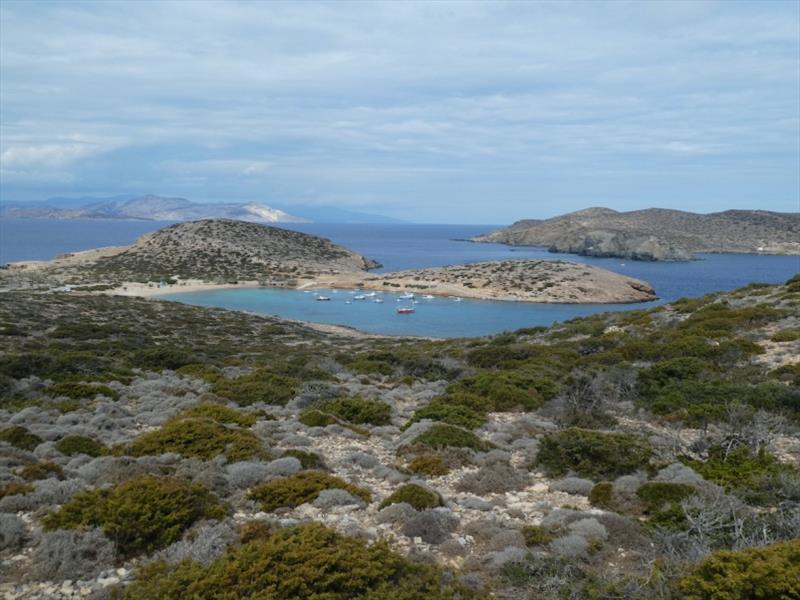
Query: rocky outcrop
{"x": 620, "y": 244}
{"x": 656, "y": 234}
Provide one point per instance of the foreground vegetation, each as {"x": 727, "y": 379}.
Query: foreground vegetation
{"x": 214, "y": 454}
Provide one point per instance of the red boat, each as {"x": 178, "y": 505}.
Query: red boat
{"x": 405, "y": 310}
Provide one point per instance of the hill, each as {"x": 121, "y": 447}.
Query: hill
{"x": 214, "y": 250}
{"x": 656, "y": 234}
{"x": 157, "y": 450}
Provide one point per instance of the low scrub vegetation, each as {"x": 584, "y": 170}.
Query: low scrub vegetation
{"x": 415, "y": 495}
{"x": 592, "y": 454}
{"x": 288, "y": 492}
{"x": 139, "y": 515}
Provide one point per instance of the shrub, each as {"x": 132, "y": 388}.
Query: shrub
{"x": 78, "y": 391}
{"x": 316, "y": 418}
{"x": 602, "y": 495}
{"x": 79, "y": 444}
{"x": 659, "y": 495}
{"x": 494, "y": 478}
{"x": 259, "y": 386}
{"x": 300, "y": 488}
{"x": 162, "y": 358}
{"x": 42, "y": 470}
{"x": 536, "y": 535}
{"x": 441, "y": 436}
{"x": 305, "y": 561}
{"x": 198, "y": 438}
{"x": 504, "y": 390}
{"x": 13, "y": 488}
{"x": 20, "y": 437}
{"x": 415, "y": 495}
{"x": 13, "y": 531}
{"x": 740, "y": 468}
{"x": 72, "y": 555}
{"x": 358, "y": 411}
{"x": 202, "y": 371}
{"x": 592, "y": 454}
{"x": 428, "y": 464}
{"x": 788, "y": 335}
{"x": 220, "y": 413}
{"x": 140, "y": 515}
{"x": 308, "y": 460}
{"x": 767, "y": 572}
{"x": 449, "y": 409}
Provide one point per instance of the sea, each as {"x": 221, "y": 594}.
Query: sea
{"x": 407, "y": 246}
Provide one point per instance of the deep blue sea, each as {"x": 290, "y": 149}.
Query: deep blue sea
{"x": 403, "y": 247}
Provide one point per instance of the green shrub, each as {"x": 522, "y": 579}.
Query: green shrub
{"x": 140, "y": 515}
{"x": 202, "y": 371}
{"x": 741, "y": 469}
{"x": 592, "y": 454}
{"x": 428, "y": 464}
{"x": 259, "y": 386}
{"x": 306, "y": 561}
{"x": 602, "y": 495}
{"x": 358, "y": 411}
{"x": 301, "y": 488}
{"x": 770, "y": 572}
{"x": 505, "y": 390}
{"x": 80, "y": 444}
{"x": 536, "y": 535}
{"x": 13, "y": 488}
{"x": 453, "y": 410}
{"x": 78, "y": 391}
{"x": 415, "y": 495}
{"x": 164, "y": 357}
{"x": 42, "y": 470}
{"x": 441, "y": 436}
{"x": 308, "y": 460}
{"x": 220, "y": 413}
{"x": 20, "y": 437}
{"x": 198, "y": 438}
{"x": 788, "y": 335}
{"x": 658, "y": 495}
{"x": 316, "y": 418}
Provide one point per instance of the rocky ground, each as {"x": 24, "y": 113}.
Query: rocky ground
{"x": 490, "y": 429}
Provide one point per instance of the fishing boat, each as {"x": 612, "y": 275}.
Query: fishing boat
{"x": 371, "y": 295}
{"x": 405, "y": 310}
{"x": 428, "y": 297}
{"x": 359, "y": 297}
{"x": 378, "y": 301}
{"x": 407, "y": 296}
{"x": 323, "y": 298}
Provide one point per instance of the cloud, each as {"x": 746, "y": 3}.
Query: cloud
{"x": 438, "y": 104}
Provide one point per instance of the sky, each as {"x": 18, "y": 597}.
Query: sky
{"x": 449, "y": 112}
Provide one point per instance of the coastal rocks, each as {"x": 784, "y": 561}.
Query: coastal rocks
{"x": 604, "y": 244}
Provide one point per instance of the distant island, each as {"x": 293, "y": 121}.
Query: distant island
{"x": 224, "y": 252}
{"x": 150, "y": 207}
{"x": 656, "y": 233}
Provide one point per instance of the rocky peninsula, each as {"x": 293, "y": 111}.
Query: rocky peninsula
{"x": 656, "y": 234}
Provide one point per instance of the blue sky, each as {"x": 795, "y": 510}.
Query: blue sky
{"x": 471, "y": 112}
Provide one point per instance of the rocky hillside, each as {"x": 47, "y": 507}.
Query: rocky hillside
{"x": 223, "y": 249}
{"x": 155, "y": 450}
{"x": 555, "y": 281}
{"x": 656, "y": 234}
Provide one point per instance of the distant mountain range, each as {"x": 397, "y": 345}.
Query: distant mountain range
{"x": 158, "y": 208}
{"x": 656, "y": 233}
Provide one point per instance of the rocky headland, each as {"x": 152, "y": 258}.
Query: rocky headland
{"x": 546, "y": 281}
{"x": 656, "y": 234}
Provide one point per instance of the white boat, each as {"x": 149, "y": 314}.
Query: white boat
{"x": 428, "y": 297}
{"x": 407, "y": 296}
{"x": 405, "y": 310}
{"x": 457, "y": 299}
{"x": 371, "y": 295}
{"x": 378, "y": 301}
{"x": 323, "y": 298}
{"x": 359, "y": 297}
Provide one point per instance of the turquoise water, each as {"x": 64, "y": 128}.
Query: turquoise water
{"x": 440, "y": 317}
{"x": 405, "y": 246}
